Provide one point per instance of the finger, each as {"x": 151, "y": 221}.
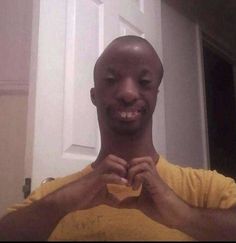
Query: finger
{"x": 118, "y": 160}
{"x": 114, "y": 179}
{"x": 130, "y": 202}
{"x": 138, "y": 181}
{"x": 111, "y": 200}
{"x": 137, "y": 169}
{"x": 114, "y": 164}
{"x": 115, "y": 168}
{"x": 146, "y": 159}
{"x": 149, "y": 182}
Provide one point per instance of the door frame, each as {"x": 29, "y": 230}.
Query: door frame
{"x": 220, "y": 49}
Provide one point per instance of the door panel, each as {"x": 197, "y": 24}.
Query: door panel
{"x": 80, "y": 132}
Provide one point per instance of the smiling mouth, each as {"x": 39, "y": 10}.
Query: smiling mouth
{"x": 128, "y": 115}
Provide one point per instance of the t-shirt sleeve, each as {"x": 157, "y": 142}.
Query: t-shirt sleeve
{"x": 40, "y": 192}
{"x": 220, "y": 190}
{"x": 49, "y": 187}
{"x": 34, "y": 196}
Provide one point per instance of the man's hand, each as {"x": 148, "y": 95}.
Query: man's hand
{"x": 156, "y": 200}
{"x": 90, "y": 190}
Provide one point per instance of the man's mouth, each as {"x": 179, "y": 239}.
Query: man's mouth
{"x": 128, "y": 115}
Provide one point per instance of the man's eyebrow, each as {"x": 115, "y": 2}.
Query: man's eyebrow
{"x": 145, "y": 71}
{"x": 111, "y": 70}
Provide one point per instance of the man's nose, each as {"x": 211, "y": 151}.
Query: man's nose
{"x": 127, "y": 91}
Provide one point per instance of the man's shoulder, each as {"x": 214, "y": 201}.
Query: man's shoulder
{"x": 194, "y": 174}
{"x": 198, "y": 186}
{"x": 61, "y": 181}
{"x": 167, "y": 167}
{"x": 50, "y": 186}
{"x": 182, "y": 178}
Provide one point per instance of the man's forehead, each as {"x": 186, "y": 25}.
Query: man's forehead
{"x": 124, "y": 47}
{"x": 133, "y": 48}
{"x": 130, "y": 57}
{"x": 136, "y": 53}
{"x": 115, "y": 69}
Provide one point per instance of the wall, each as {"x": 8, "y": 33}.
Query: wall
{"x": 15, "y": 39}
{"x": 184, "y": 134}
{"x": 15, "y": 44}
{"x": 13, "y": 110}
{"x": 216, "y": 19}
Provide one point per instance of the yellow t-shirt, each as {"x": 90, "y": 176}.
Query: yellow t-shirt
{"x": 198, "y": 187}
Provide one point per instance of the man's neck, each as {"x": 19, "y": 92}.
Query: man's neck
{"x": 127, "y": 147}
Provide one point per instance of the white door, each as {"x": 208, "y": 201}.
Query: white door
{"x": 71, "y": 34}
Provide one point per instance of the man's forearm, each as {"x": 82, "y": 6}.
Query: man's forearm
{"x": 211, "y": 224}
{"x": 34, "y": 222}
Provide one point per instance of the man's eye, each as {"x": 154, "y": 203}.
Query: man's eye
{"x": 145, "y": 82}
{"x": 110, "y": 80}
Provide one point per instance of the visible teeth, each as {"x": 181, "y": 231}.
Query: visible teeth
{"x": 123, "y": 114}
{"x": 128, "y": 114}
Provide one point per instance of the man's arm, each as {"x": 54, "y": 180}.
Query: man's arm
{"x": 37, "y": 221}
{"x": 210, "y": 224}
{"x": 34, "y": 222}
{"x": 159, "y": 202}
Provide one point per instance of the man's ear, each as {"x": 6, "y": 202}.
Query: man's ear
{"x": 92, "y": 96}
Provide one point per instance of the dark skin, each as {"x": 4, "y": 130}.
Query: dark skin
{"x": 127, "y": 77}
{"x": 126, "y": 83}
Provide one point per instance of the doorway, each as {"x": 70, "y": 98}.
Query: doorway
{"x": 221, "y": 110}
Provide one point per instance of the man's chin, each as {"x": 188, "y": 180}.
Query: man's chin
{"x": 126, "y": 130}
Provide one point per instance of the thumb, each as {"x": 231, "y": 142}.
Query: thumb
{"x": 111, "y": 200}
{"x": 129, "y": 202}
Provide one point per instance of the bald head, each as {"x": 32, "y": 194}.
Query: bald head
{"x": 127, "y": 77}
{"x": 126, "y": 45}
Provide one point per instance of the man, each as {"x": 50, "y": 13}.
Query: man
{"x": 129, "y": 192}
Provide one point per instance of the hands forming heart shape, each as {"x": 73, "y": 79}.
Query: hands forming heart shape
{"x": 156, "y": 200}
